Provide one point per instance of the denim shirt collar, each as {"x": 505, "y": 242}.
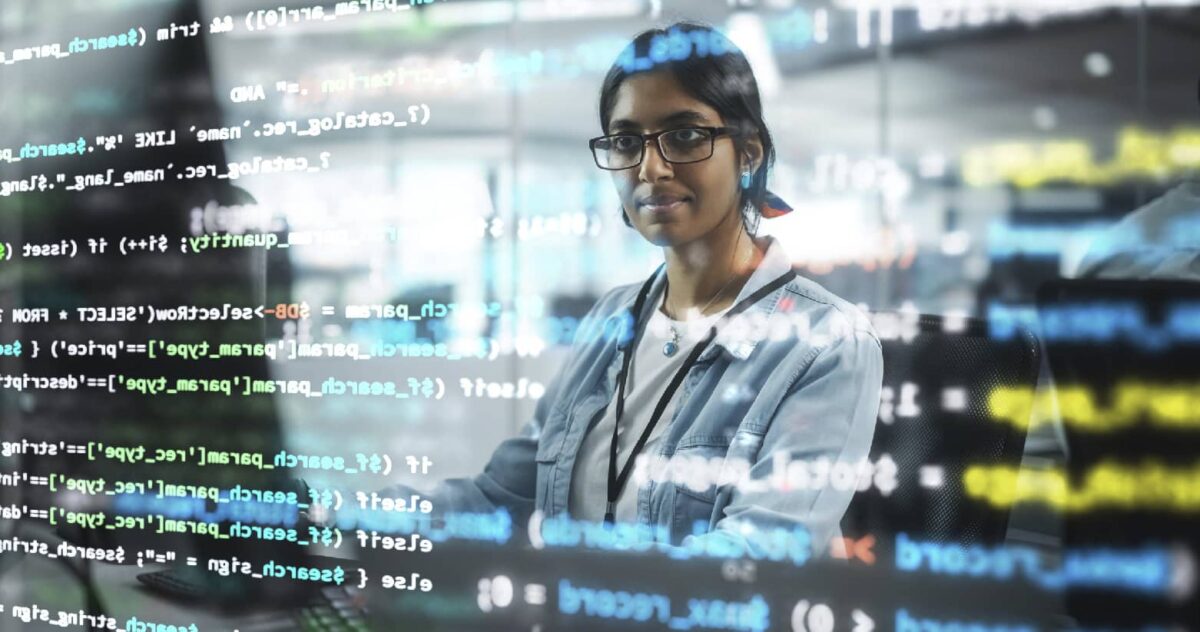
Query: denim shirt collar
{"x": 775, "y": 263}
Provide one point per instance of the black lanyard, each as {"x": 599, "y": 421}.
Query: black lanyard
{"x": 617, "y": 482}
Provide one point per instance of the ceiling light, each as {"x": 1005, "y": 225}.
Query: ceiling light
{"x": 1097, "y": 64}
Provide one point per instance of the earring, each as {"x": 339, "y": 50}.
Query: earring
{"x": 745, "y": 179}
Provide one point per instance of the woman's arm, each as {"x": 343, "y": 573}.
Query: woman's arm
{"x": 508, "y": 480}
{"x": 828, "y": 413}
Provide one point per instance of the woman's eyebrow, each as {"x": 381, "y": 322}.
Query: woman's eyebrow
{"x": 683, "y": 116}
{"x": 624, "y": 124}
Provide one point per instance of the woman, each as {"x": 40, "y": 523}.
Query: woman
{"x": 689, "y": 152}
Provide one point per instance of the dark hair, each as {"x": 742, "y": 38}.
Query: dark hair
{"x": 711, "y": 69}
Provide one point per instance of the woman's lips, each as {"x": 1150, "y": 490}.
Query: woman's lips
{"x": 664, "y": 207}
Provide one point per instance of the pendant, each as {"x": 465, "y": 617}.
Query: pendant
{"x": 672, "y": 345}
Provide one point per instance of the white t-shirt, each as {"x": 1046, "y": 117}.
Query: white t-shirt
{"x": 650, "y": 371}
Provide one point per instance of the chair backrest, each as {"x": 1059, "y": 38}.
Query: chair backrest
{"x": 1124, "y": 358}
{"x": 1136, "y": 366}
{"x": 935, "y": 423}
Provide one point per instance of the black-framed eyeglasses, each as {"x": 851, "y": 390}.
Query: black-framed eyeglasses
{"x": 677, "y": 146}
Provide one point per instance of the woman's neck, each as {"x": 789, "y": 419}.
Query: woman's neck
{"x": 708, "y": 273}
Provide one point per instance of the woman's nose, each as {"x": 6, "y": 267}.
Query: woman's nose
{"x": 654, "y": 166}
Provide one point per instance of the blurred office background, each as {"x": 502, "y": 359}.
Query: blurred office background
{"x": 942, "y": 156}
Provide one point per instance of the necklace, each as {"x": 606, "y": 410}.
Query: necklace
{"x": 671, "y": 347}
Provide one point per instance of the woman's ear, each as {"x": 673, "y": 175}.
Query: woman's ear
{"x": 752, "y": 155}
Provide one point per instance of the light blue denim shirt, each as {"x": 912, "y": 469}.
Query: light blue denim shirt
{"x": 797, "y": 378}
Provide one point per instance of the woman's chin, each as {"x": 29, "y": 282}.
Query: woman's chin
{"x": 668, "y": 230}
{"x": 665, "y": 235}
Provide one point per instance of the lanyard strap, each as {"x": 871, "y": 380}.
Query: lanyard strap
{"x": 617, "y": 482}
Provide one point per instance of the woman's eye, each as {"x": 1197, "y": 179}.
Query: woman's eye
{"x": 625, "y": 143}
{"x": 687, "y": 136}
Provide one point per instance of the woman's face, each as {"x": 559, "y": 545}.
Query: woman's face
{"x": 673, "y": 204}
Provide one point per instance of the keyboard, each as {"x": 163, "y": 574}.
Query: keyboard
{"x": 334, "y": 609}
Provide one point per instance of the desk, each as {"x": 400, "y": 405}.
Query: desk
{"x": 36, "y": 579}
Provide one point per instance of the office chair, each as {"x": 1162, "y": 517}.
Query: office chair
{"x": 1145, "y": 335}
{"x": 934, "y": 423}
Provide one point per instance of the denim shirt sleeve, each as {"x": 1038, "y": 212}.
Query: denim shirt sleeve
{"x": 509, "y": 479}
{"x": 828, "y": 412}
